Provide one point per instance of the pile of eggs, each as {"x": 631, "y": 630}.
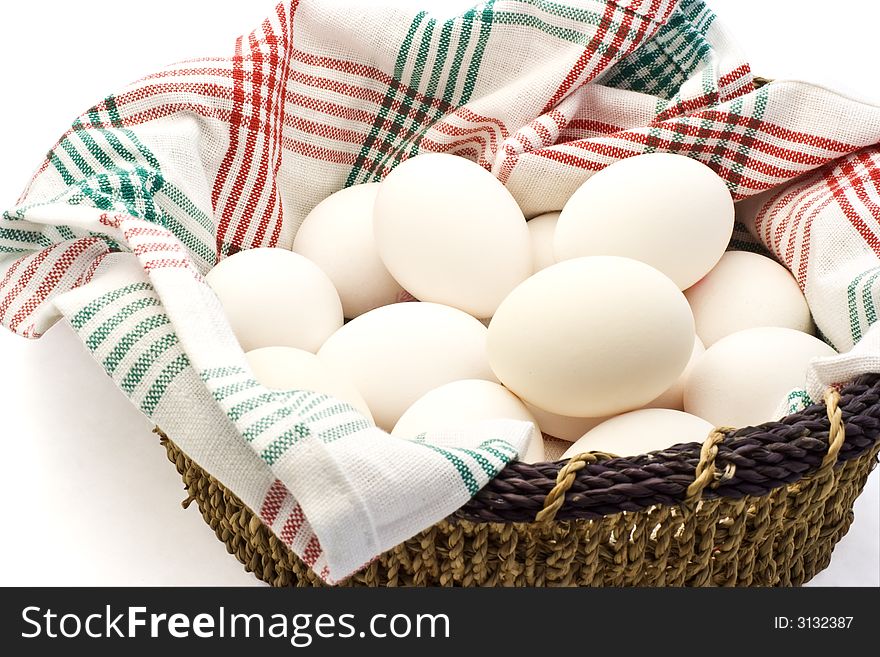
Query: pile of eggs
{"x": 619, "y": 324}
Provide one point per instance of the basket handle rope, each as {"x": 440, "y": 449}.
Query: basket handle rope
{"x": 706, "y": 473}
{"x": 836, "y": 432}
{"x": 564, "y": 479}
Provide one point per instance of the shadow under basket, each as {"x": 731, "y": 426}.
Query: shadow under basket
{"x": 760, "y": 506}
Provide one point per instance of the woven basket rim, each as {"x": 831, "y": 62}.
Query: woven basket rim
{"x": 762, "y": 458}
{"x": 754, "y": 461}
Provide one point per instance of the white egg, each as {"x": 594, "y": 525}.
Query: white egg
{"x": 642, "y": 431}
{"x": 288, "y": 368}
{"x": 591, "y": 336}
{"x": 669, "y": 211}
{"x": 563, "y": 427}
{"x": 542, "y": 229}
{"x": 743, "y": 378}
{"x": 338, "y": 237}
{"x": 276, "y": 298}
{"x": 673, "y": 397}
{"x": 450, "y": 233}
{"x": 459, "y": 403}
{"x": 747, "y": 290}
{"x": 395, "y": 354}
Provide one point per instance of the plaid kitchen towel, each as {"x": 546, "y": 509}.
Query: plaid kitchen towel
{"x": 152, "y": 186}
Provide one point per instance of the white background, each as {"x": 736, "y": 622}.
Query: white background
{"x": 89, "y": 497}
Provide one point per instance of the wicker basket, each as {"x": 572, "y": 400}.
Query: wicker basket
{"x": 760, "y": 506}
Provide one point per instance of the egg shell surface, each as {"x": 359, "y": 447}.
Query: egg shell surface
{"x": 464, "y": 402}
{"x": 673, "y": 396}
{"x": 449, "y": 232}
{"x": 743, "y": 378}
{"x": 563, "y": 427}
{"x": 395, "y": 354}
{"x": 338, "y": 237}
{"x": 591, "y": 336}
{"x": 276, "y": 298}
{"x": 669, "y": 211}
{"x": 747, "y": 290}
{"x": 642, "y": 431}
{"x": 541, "y": 229}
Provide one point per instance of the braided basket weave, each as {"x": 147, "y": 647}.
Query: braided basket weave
{"x": 759, "y": 506}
